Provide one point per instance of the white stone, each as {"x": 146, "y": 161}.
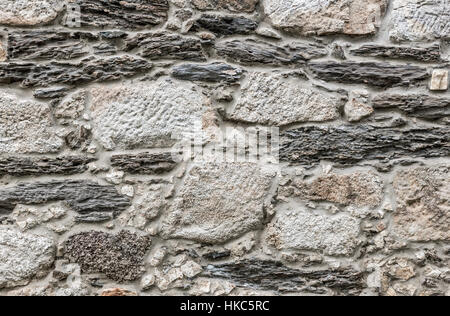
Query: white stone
{"x": 190, "y": 269}
{"x": 439, "y": 80}
{"x": 29, "y": 12}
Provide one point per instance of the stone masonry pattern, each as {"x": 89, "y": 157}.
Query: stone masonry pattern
{"x": 94, "y": 203}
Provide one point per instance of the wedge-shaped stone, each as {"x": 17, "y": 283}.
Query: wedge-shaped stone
{"x": 144, "y": 163}
{"x": 424, "y": 54}
{"x": 21, "y": 166}
{"x": 325, "y": 17}
{"x": 304, "y": 230}
{"x": 357, "y": 189}
{"x": 23, "y": 256}
{"x": 215, "y": 72}
{"x": 382, "y": 75}
{"x": 82, "y": 196}
{"x": 273, "y": 275}
{"x": 86, "y": 71}
{"x": 423, "y": 204}
{"x": 145, "y": 115}
{"x": 131, "y": 14}
{"x": 350, "y": 144}
{"x": 270, "y": 99}
{"x": 259, "y": 52}
{"x": 218, "y": 202}
{"x": 26, "y": 127}
{"x": 29, "y": 12}
{"x": 419, "y": 20}
{"x": 225, "y": 25}
{"x": 239, "y": 6}
{"x": 164, "y": 45}
{"x": 120, "y": 256}
{"x": 415, "y": 105}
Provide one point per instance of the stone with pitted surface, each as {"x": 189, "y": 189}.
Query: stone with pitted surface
{"x": 29, "y": 12}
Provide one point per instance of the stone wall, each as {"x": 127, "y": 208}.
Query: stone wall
{"x": 92, "y": 202}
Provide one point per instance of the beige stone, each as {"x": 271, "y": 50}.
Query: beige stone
{"x": 358, "y": 106}
{"x": 3, "y": 52}
{"x": 423, "y": 207}
{"x": 324, "y": 17}
{"x": 439, "y": 80}
{"x": 29, "y": 12}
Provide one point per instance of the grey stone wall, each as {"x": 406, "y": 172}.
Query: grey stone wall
{"x": 94, "y": 202}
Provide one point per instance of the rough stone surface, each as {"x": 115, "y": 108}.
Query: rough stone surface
{"x": 23, "y": 256}
{"x": 355, "y": 189}
{"x": 144, "y": 163}
{"x": 225, "y": 25}
{"x": 305, "y": 230}
{"x": 263, "y": 53}
{"x": 3, "y": 52}
{"x": 422, "y": 212}
{"x": 239, "y": 6}
{"x": 29, "y": 12}
{"x": 270, "y": 99}
{"x": 67, "y": 165}
{"x": 317, "y": 17}
{"x": 419, "y": 20}
{"x": 130, "y": 14}
{"x": 373, "y": 74}
{"x": 216, "y": 72}
{"x": 159, "y": 111}
{"x": 165, "y": 45}
{"x": 218, "y": 203}
{"x": 415, "y": 105}
{"x": 423, "y": 54}
{"x": 349, "y": 144}
{"x": 82, "y": 196}
{"x": 439, "y": 80}
{"x": 358, "y": 107}
{"x": 120, "y": 257}
{"x": 273, "y": 275}
{"x": 26, "y": 127}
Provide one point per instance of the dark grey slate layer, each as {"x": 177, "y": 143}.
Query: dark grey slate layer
{"x": 88, "y": 70}
{"x": 131, "y": 14}
{"x": 48, "y": 44}
{"x": 120, "y": 257}
{"x": 166, "y": 45}
{"x": 381, "y": 75}
{"x": 144, "y": 163}
{"x": 258, "y": 52}
{"x": 82, "y": 196}
{"x": 51, "y": 93}
{"x": 17, "y": 166}
{"x": 215, "y": 72}
{"x": 273, "y": 275}
{"x": 225, "y": 25}
{"x": 427, "y": 54}
{"x": 349, "y": 144}
{"x": 95, "y": 217}
{"x": 415, "y": 105}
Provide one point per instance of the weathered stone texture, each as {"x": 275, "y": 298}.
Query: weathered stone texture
{"x": 23, "y": 256}
{"x": 17, "y": 166}
{"x": 262, "y": 53}
{"x": 215, "y": 72}
{"x": 349, "y": 144}
{"x": 415, "y": 105}
{"x": 3, "y": 52}
{"x": 381, "y": 75}
{"x": 218, "y": 202}
{"x": 239, "y": 6}
{"x": 270, "y": 99}
{"x": 419, "y": 20}
{"x": 356, "y": 189}
{"x": 131, "y": 14}
{"x": 325, "y": 17}
{"x": 304, "y": 230}
{"x": 26, "y": 127}
{"x": 29, "y": 12}
{"x": 273, "y": 275}
{"x": 423, "y": 204}
{"x": 144, "y": 115}
{"x": 120, "y": 257}
{"x": 165, "y": 45}
{"x": 144, "y": 163}
{"x": 423, "y": 54}
{"x": 225, "y": 25}
{"x": 439, "y": 80}
{"x": 82, "y": 196}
